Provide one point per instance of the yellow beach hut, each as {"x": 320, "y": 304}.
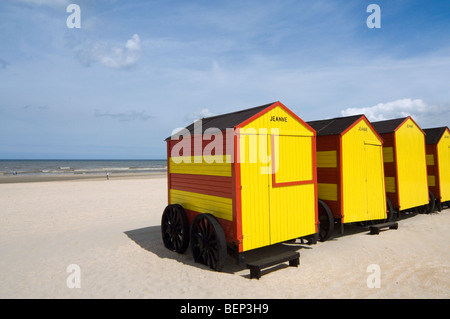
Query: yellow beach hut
{"x": 350, "y": 172}
{"x": 405, "y": 164}
{"x": 241, "y": 180}
{"x": 438, "y": 164}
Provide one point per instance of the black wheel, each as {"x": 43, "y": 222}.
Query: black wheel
{"x": 326, "y": 221}
{"x": 175, "y": 228}
{"x": 429, "y": 208}
{"x": 311, "y": 240}
{"x": 208, "y": 243}
{"x": 390, "y": 210}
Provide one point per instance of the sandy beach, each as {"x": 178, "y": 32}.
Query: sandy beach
{"x": 110, "y": 229}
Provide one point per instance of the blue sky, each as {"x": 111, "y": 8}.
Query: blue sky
{"x": 136, "y": 70}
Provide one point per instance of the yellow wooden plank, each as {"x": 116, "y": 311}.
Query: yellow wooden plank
{"x": 201, "y": 165}
{"x": 327, "y": 191}
{"x": 218, "y": 206}
{"x": 326, "y": 159}
{"x": 388, "y": 154}
{"x": 390, "y": 184}
{"x": 431, "y": 180}
{"x": 430, "y": 159}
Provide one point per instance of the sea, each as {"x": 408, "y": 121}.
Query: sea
{"x": 68, "y": 167}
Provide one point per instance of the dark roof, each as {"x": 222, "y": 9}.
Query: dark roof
{"x": 229, "y": 120}
{"x": 333, "y": 126}
{"x": 387, "y": 126}
{"x": 434, "y": 134}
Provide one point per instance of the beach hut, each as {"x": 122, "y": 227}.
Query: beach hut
{"x": 438, "y": 164}
{"x": 241, "y": 180}
{"x": 405, "y": 164}
{"x": 350, "y": 172}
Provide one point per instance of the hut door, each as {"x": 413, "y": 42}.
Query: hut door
{"x": 277, "y": 195}
{"x": 291, "y": 187}
{"x": 375, "y": 193}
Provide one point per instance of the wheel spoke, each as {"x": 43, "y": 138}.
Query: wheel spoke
{"x": 204, "y": 227}
{"x": 201, "y": 256}
{"x": 212, "y": 259}
{"x": 197, "y": 235}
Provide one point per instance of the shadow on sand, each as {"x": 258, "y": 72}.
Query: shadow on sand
{"x": 149, "y": 238}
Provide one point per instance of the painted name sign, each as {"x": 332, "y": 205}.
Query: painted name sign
{"x": 278, "y": 119}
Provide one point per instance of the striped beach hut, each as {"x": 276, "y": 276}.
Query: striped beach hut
{"x": 350, "y": 172}
{"x": 241, "y": 180}
{"x": 438, "y": 164}
{"x": 405, "y": 164}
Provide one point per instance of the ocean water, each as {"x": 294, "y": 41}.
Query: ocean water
{"x": 52, "y": 167}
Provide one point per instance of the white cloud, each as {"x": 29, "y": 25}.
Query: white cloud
{"x": 424, "y": 114}
{"x": 113, "y": 56}
{"x": 197, "y": 115}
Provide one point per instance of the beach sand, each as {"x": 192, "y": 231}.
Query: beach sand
{"x": 110, "y": 229}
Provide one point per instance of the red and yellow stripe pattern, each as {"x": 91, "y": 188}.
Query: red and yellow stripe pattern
{"x": 203, "y": 184}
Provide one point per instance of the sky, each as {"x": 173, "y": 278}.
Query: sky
{"x": 134, "y": 71}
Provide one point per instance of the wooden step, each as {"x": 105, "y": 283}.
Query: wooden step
{"x": 375, "y": 229}
{"x": 256, "y": 266}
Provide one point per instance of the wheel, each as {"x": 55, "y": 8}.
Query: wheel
{"x": 175, "y": 228}
{"x": 208, "y": 243}
{"x": 390, "y": 210}
{"x": 432, "y": 204}
{"x": 326, "y": 221}
{"x": 428, "y": 208}
{"x": 312, "y": 240}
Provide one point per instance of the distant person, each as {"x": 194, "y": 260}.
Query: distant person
{"x": 107, "y": 175}
{"x": 14, "y": 173}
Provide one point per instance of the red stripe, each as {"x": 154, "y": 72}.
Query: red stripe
{"x": 314, "y": 160}
{"x": 204, "y": 184}
{"x": 202, "y": 145}
{"x": 237, "y": 207}
{"x": 328, "y": 175}
{"x": 327, "y": 143}
{"x": 168, "y": 175}
{"x": 389, "y": 169}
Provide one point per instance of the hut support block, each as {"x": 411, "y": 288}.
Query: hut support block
{"x": 375, "y": 229}
{"x": 256, "y": 266}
